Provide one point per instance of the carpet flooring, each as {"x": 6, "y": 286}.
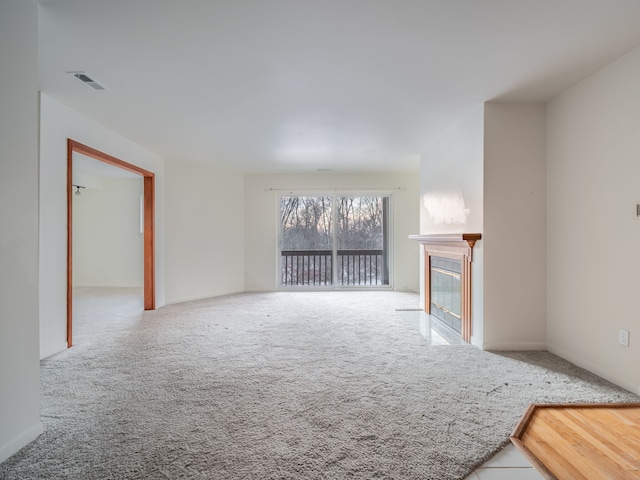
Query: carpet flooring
{"x": 322, "y": 385}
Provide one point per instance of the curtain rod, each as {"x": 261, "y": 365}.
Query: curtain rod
{"x": 334, "y": 189}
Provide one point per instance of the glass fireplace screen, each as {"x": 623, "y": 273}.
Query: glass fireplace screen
{"x": 446, "y": 291}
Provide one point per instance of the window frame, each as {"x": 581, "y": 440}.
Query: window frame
{"x": 334, "y": 194}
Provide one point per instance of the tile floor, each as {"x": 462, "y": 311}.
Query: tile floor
{"x": 436, "y": 332}
{"x": 507, "y": 464}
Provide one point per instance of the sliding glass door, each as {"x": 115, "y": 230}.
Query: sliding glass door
{"x": 334, "y": 241}
{"x": 362, "y": 255}
{"x": 306, "y": 241}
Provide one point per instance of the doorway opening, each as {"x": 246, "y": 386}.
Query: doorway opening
{"x": 148, "y": 224}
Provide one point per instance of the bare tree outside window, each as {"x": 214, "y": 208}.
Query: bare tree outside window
{"x": 306, "y": 223}
{"x": 359, "y": 223}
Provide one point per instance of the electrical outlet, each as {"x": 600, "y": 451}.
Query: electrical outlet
{"x": 623, "y": 337}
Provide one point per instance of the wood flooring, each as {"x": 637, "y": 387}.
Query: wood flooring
{"x": 582, "y": 442}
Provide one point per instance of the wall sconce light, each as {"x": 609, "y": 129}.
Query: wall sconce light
{"x": 78, "y": 187}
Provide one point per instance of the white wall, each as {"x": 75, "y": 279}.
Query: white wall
{"x": 108, "y": 247}
{"x": 57, "y": 123}
{"x": 19, "y": 365}
{"x": 204, "y": 218}
{"x": 593, "y": 183}
{"x": 262, "y": 210}
{"x": 514, "y": 235}
{"x": 451, "y": 198}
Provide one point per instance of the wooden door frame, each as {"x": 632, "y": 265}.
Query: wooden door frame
{"x": 149, "y": 224}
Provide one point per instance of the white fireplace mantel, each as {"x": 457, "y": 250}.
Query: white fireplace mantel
{"x": 449, "y": 243}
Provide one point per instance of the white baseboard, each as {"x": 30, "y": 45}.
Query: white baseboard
{"x": 503, "y": 346}
{"x": 580, "y": 362}
{"x": 25, "y": 438}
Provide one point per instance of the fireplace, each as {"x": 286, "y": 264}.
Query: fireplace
{"x": 447, "y": 278}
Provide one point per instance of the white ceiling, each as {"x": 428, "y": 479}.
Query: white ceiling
{"x": 301, "y": 85}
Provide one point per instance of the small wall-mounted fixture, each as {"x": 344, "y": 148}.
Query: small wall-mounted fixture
{"x": 78, "y": 187}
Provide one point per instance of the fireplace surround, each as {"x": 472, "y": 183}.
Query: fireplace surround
{"x": 447, "y": 278}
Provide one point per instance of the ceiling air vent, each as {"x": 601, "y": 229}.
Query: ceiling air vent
{"x": 88, "y": 80}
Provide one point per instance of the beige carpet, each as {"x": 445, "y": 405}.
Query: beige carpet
{"x": 330, "y": 385}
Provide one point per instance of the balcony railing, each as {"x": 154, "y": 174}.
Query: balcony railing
{"x": 315, "y": 267}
